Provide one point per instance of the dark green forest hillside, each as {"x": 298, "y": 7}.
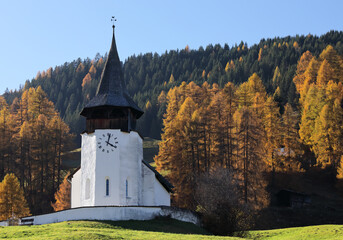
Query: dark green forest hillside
{"x": 150, "y": 76}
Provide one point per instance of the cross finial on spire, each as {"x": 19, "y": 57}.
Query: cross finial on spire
{"x": 113, "y": 19}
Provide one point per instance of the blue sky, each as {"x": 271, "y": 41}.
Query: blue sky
{"x": 38, "y": 34}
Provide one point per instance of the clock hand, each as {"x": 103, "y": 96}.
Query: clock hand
{"x": 108, "y": 143}
{"x": 108, "y": 140}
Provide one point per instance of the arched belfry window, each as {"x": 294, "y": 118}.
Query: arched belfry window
{"x": 107, "y": 186}
{"x": 88, "y": 188}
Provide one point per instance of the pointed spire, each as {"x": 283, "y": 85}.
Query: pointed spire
{"x": 112, "y": 90}
{"x": 112, "y": 80}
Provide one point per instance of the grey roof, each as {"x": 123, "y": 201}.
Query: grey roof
{"x": 112, "y": 89}
{"x": 165, "y": 183}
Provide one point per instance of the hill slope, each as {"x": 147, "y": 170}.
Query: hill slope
{"x": 320, "y": 232}
{"x": 154, "y": 229}
{"x": 163, "y": 229}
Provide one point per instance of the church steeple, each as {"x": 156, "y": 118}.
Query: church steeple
{"x": 112, "y": 80}
{"x": 112, "y": 107}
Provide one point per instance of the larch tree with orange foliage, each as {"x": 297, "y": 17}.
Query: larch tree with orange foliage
{"x": 260, "y": 55}
{"x": 230, "y": 107}
{"x": 12, "y": 200}
{"x": 290, "y": 137}
{"x": 6, "y": 130}
{"x": 328, "y": 132}
{"x": 86, "y": 80}
{"x": 310, "y": 77}
{"x": 276, "y": 77}
{"x": 62, "y": 196}
{"x": 325, "y": 74}
{"x": 320, "y": 88}
{"x": 303, "y": 62}
{"x": 335, "y": 61}
{"x": 206, "y": 128}
{"x": 32, "y": 140}
{"x": 250, "y": 157}
{"x": 272, "y": 133}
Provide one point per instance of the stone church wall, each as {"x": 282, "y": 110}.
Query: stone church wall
{"x": 76, "y": 190}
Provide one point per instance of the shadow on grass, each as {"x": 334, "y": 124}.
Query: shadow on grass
{"x": 166, "y": 225}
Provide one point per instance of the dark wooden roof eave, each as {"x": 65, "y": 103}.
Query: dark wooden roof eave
{"x": 86, "y": 111}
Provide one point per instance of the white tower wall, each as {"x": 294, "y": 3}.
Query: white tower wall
{"x": 122, "y": 167}
{"x": 131, "y": 156}
{"x": 88, "y": 170}
{"x": 131, "y": 183}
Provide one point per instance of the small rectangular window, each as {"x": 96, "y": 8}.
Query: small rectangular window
{"x": 127, "y": 188}
{"x": 107, "y": 187}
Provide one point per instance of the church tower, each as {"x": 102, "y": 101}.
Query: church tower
{"x": 112, "y": 107}
{"x": 112, "y": 171}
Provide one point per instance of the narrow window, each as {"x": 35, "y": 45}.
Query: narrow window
{"x": 107, "y": 187}
{"x": 88, "y": 188}
{"x": 127, "y": 188}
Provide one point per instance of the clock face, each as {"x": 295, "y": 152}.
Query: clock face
{"x": 107, "y": 143}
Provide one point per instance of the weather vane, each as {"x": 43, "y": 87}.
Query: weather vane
{"x": 113, "y": 19}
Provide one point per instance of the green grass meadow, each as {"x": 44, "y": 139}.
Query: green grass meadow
{"x": 154, "y": 229}
{"x": 320, "y": 232}
{"x": 163, "y": 229}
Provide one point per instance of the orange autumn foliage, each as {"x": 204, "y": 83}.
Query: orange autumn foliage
{"x": 62, "y": 196}
{"x": 12, "y": 200}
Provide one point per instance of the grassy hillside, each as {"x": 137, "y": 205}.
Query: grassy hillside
{"x": 154, "y": 229}
{"x": 321, "y": 232}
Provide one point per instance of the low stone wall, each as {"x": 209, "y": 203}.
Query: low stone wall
{"x": 10, "y": 222}
{"x": 3, "y": 223}
{"x": 180, "y": 214}
{"x": 115, "y": 213}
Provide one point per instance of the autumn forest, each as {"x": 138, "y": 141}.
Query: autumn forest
{"x": 246, "y": 130}
{"x": 245, "y": 113}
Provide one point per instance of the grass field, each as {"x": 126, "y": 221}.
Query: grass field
{"x": 154, "y": 229}
{"x": 164, "y": 229}
{"x": 320, "y": 232}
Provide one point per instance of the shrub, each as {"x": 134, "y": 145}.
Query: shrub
{"x": 219, "y": 204}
